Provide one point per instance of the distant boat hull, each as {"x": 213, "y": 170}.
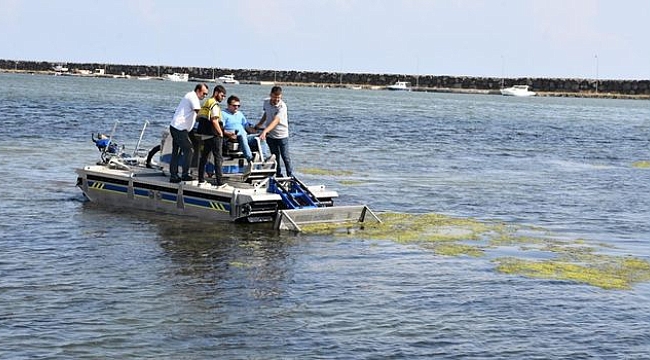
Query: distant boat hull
{"x": 228, "y": 79}
{"x": 177, "y": 77}
{"x": 517, "y": 90}
{"x": 400, "y": 86}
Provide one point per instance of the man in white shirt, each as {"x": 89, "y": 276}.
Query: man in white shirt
{"x": 276, "y": 129}
{"x": 180, "y": 127}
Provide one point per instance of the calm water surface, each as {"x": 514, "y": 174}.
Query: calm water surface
{"x": 78, "y": 281}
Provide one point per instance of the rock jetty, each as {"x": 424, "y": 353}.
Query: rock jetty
{"x": 638, "y": 89}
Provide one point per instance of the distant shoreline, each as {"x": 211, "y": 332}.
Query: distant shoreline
{"x": 544, "y": 87}
{"x": 599, "y": 95}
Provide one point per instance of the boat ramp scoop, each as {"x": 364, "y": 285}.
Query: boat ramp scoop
{"x": 294, "y": 218}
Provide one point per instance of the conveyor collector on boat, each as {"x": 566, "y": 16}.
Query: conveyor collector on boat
{"x": 140, "y": 180}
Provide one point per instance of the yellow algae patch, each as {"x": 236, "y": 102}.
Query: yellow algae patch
{"x": 505, "y": 238}
{"x": 455, "y": 249}
{"x": 604, "y": 271}
{"x": 576, "y": 261}
{"x": 641, "y": 164}
{"x": 316, "y": 171}
{"x": 238, "y": 264}
{"x": 424, "y": 228}
{"x": 328, "y": 228}
{"x": 408, "y": 228}
{"x": 571, "y": 250}
{"x": 526, "y": 242}
{"x": 352, "y": 182}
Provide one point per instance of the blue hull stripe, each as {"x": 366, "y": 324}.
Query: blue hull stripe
{"x": 168, "y": 197}
{"x": 212, "y": 205}
{"x": 141, "y": 192}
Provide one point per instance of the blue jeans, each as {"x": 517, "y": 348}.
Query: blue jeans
{"x": 181, "y": 150}
{"x": 246, "y": 141}
{"x": 280, "y": 148}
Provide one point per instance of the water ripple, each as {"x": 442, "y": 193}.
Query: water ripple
{"x": 80, "y": 281}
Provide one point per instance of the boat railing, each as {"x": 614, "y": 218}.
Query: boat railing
{"x": 137, "y": 145}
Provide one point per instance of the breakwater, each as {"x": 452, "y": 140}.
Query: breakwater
{"x": 552, "y": 86}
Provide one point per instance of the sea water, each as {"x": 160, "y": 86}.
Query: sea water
{"x": 80, "y": 281}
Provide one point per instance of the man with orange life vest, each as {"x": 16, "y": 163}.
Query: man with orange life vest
{"x": 210, "y": 131}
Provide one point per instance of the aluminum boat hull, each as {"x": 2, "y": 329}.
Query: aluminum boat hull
{"x": 149, "y": 189}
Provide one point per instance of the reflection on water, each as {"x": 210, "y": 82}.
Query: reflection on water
{"x": 254, "y": 256}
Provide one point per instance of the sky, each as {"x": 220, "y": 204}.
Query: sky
{"x": 594, "y": 39}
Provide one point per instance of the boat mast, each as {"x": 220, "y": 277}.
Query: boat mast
{"x": 417, "y": 72}
{"x": 502, "y": 72}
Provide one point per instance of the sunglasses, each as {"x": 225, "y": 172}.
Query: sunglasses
{"x": 235, "y": 105}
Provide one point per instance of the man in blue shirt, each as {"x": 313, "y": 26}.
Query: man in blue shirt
{"x": 236, "y": 127}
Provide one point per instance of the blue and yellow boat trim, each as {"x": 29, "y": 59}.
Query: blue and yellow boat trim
{"x": 169, "y": 194}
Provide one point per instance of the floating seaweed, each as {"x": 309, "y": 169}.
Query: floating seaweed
{"x": 644, "y": 164}
{"x": 605, "y": 271}
{"x": 321, "y": 172}
{"x": 352, "y": 182}
{"x": 577, "y": 260}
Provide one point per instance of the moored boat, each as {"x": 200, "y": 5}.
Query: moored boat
{"x": 228, "y": 79}
{"x": 517, "y": 90}
{"x": 253, "y": 193}
{"x": 177, "y": 77}
{"x": 400, "y": 86}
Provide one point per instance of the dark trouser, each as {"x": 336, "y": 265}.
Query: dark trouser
{"x": 213, "y": 145}
{"x": 181, "y": 148}
{"x": 196, "y": 147}
{"x": 280, "y": 148}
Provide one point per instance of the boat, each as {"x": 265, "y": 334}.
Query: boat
{"x": 400, "y": 86}
{"x": 228, "y": 79}
{"x": 60, "y": 68}
{"x": 177, "y": 77}
{"x": 121, "y": 76}
{"x": 252, "y": 194}
{"x": 517, "y": 90}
